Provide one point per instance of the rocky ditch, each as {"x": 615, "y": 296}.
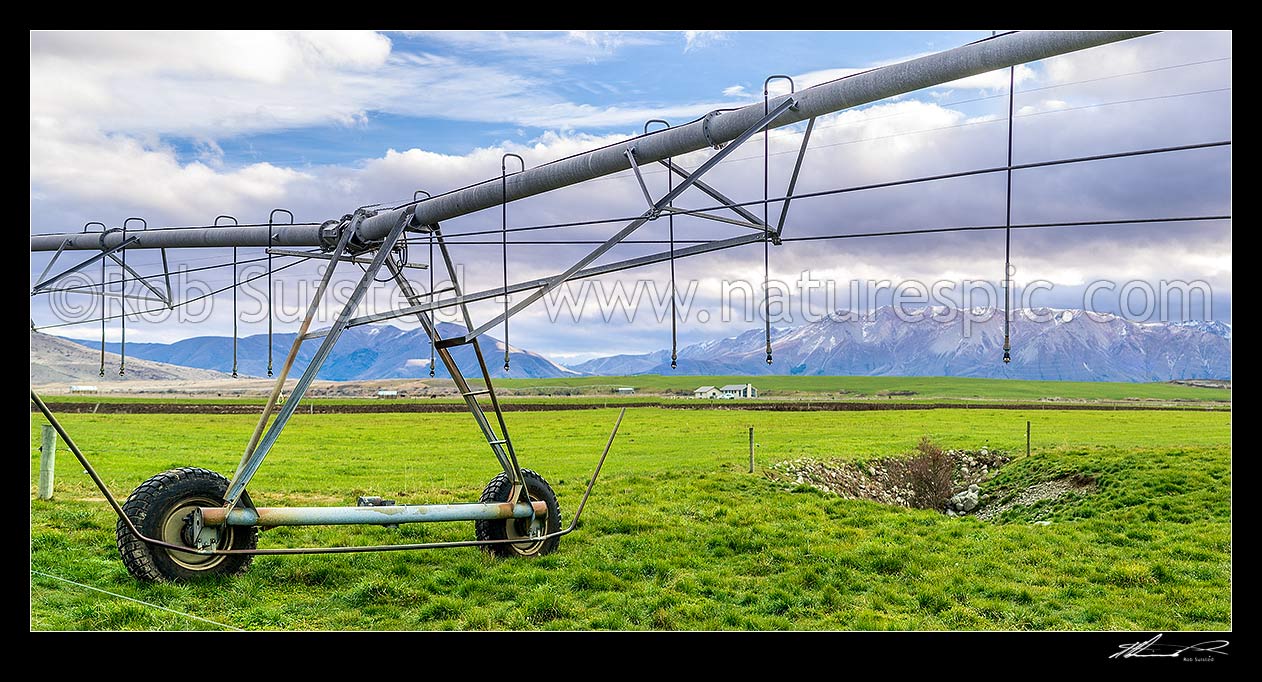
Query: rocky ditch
{"x": 1052, "y": 490}
{"x": 894, "y": 481}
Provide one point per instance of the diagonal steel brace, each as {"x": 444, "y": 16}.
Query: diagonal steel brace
{"x": 75, "y": 268}
{"x": 625, "y": 232}
{"x": 136, "y": 275}
{"x": 253, "y": 457}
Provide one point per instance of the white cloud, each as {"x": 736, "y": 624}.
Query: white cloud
{"x": 545, "y": 47}
{"x": 213, "y": 85}
{"x": 993, "y": 81}
{"x": 121, "y": 171}
{"x": 810, "y": 78}
{"x": 1044, "y": 105}
{"x": 699, "y": 40}
{"x": 97, "y": 152}
{"x": 735, "y": 91}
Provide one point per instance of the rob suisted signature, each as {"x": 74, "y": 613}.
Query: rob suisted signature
{"x": 1152, "y": 649}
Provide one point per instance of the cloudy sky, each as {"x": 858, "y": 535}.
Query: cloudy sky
{"x": 178, "y": 128}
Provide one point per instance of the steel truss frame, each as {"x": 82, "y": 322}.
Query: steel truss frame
{"x": 495, "y": 432}
{"x": 237, "y": 512}
{"x": 379, "y": 231}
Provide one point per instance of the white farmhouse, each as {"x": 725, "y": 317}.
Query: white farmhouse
{"x": 738, "y": 391}
{"x": 706, "y": 392}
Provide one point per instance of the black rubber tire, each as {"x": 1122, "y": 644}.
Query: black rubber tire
{"x": 153, "y": 508}
{"x": 498, "y": 490}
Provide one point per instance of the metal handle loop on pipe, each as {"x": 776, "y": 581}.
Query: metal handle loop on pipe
{"x": 778, "y": 76}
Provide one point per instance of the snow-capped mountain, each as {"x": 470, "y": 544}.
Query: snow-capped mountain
{"x": 1214, "y": 327}
{"x": 1046, "y": 344}
{"x": 368, "y": 352}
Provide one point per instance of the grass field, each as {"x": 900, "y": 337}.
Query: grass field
{"x": 898, "y": 389}
{"x": 677, "y": 535}
{"x": 921, "y": 387}
{"x": 259, "y": 400}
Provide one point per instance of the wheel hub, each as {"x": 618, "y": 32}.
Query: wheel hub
{"x": 178, "y": 527}
{"x": 196, "y": 533}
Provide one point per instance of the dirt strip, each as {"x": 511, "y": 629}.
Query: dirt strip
{"x": 776, "y": 406}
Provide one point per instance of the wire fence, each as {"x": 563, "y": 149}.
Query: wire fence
{"x": 134, "y": 600}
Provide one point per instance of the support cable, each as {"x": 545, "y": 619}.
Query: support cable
{"x": 859, "y": 188}
{"x": 822, "y": 237}
{"x": 195, "y": 299}
{"x": 142, "y": 279}
{"x": 948, "y": 103}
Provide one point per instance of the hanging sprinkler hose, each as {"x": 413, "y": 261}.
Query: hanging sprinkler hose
{"x": 1007, "y": 248}
{"x": 504, "y": 234}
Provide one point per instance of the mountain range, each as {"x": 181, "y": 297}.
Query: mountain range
{"x": 367, "y": 352}
{"x": 1046, "y": 343}
{"x": 58, "y": 360}
{"x": 1064, "y": 345}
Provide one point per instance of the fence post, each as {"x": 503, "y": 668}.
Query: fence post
{"x": 751, "y": 449}
{"x": 1027, "y": 438}
{"x": 47, "y": 461}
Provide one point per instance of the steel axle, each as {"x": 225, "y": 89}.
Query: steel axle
{"x": 369, "y": 516}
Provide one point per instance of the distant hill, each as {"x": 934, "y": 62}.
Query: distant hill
{"x": 1069, "y": 346}
{"x": 367, "y": 352}
{"x": 54, "y": 360}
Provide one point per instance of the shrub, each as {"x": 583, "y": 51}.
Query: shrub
{"x": 927, "y": 474}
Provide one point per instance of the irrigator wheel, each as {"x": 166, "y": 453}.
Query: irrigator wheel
{"x": 499, "y": 490}
{"x": 159, "y": 507}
